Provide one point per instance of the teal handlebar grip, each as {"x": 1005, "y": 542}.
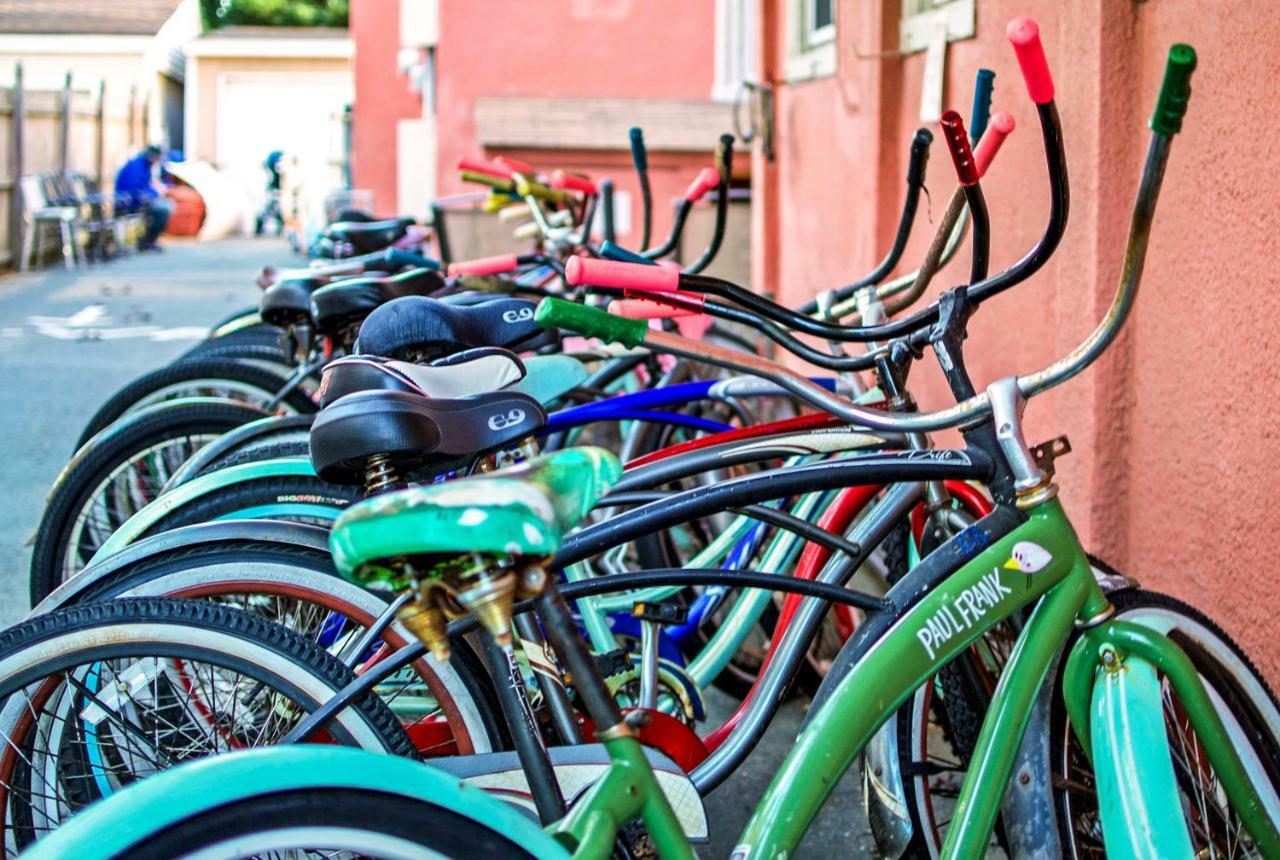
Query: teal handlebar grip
{"x": 639, "y": 155}
{"x": 555, "y": 313}
{"x": 408, "y": 259}
{"x": 981, "y": 113}
{"x": 1175, "y": 91}
{"x": 617, "y": 253}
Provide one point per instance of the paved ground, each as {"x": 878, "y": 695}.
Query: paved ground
{"x": 68, "y": 340}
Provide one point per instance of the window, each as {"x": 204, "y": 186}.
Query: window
{"x": 811, "y": 43}
{"x": 735, "y": 56}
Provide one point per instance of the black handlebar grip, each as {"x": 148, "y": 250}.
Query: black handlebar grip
{"x": 919, "y": 157}
{"x": 724, "y": 158}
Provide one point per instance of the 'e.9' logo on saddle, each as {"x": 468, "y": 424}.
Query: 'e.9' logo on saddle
{"x": 517, "y": 316}
{"x": 500, "y": 421}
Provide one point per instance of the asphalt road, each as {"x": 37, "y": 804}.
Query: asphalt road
{"x": 68, "y": 340}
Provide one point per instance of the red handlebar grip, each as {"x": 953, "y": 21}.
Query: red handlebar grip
{"x": 1025, "y": 35}
{"x": 998, "y": 129}
{"x": 645, "y": 309}
{"x": 485, "y": 266}
{"x": 560, "y": 179}
{"x": 707, "y": 179}
{"x": 958, "y": 145}
{"x": 490, "y": 168}
{"x": 515, "y": 165}
{"x": 620, "y": 276}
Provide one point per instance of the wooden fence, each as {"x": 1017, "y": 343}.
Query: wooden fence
{"x": 44, "y": 131}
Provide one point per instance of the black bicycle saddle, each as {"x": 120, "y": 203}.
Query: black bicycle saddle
{"x": 288, "y": 300}
{"x": 479, "y": 371}
{"x": 341, "y": 303}
{"x": 367, "y": 236}
{"x": 438, "y": 328}
{"x": 415, "y": 431}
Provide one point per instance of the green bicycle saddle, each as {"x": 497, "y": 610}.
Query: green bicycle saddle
{"x": 524, "y": 510}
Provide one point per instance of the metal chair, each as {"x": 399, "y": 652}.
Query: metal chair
{"x": 38, "y": 215}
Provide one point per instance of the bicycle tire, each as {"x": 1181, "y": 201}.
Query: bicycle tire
{"x": 254, "y": 497}
{"x": 50, "y": 658}
{"x": 93, "y": 467}
{"x": 262, "y": 381}
{"x": 439, "y": 831}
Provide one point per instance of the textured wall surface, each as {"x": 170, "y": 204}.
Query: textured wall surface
{"x": 1175, "y": 431}
{"x": 383, "y": 97}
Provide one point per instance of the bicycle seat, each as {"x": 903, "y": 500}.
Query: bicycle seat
{"x": 341, "y": 303}
{"x": 288, "y": 300}
{"x": 367, "y": 236}
{"x": 482, "y": 370}
{"x": 439, "y": 328}
{"x": 525, "y": 510}
{"x": 413, "y": 429}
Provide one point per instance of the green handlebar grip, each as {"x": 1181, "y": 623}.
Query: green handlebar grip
{"x": 1175, "y": 90}
{"x": 590, "y": 322}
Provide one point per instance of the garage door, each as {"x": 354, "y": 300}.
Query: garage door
{"x": 298, "y": 114}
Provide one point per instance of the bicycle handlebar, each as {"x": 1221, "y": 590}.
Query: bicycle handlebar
{"x": 1171, "y": 106}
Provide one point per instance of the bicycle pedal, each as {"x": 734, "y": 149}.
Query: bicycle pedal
{"x": 1046, "y": 452}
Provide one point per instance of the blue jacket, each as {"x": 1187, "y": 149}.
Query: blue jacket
{"x": 133, "y": 184}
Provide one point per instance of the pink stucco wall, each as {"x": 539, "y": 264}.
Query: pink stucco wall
{"x": 573, "y": 49}
{"x": 1175, "y": 432}
{"x": 383, "y": 97}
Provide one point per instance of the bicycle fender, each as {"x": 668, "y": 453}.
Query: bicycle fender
{"x": 1137, "y": 794}
{"x": 114, "y": 826}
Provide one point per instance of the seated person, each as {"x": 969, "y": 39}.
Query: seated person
{"x": 137, "y": 190}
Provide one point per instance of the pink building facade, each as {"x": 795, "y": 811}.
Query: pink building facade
{"x": 554, "y": 84}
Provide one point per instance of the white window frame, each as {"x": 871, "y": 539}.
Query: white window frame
{"x": 811, "y": 53}
{"x": 735, "y": 48}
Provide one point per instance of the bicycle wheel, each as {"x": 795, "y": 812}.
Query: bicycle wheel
{"x": 224, "y": 378}
{"x": 97, "y": 697}
{"x": 447, "y": 708}
{"x": 110, "y": 480}
{"x": 1244, "y": 702}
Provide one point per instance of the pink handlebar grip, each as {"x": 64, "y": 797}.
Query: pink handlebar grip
{"x": 514, "y": 165}
{"x": 620, "y": 276}
{"x": 645, "y": 309}
{"x": 560, "y": 179}
{"x": 998, "y": 129}
{"x": 1025, "y": 35}
{"x": 707, "y": 179}
{"x": 490, "y": 168}
{"x": 485, "y": 266}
